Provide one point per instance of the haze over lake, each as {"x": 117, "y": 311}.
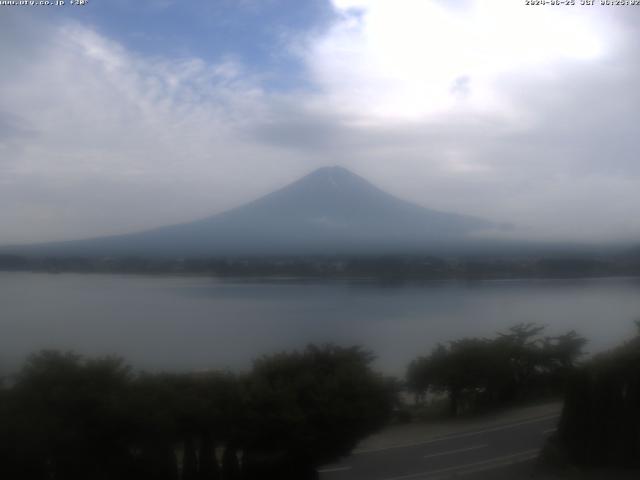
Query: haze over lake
{"x": 184, "y": 323}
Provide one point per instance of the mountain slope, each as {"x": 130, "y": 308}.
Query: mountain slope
{"x": 329, "y": 211}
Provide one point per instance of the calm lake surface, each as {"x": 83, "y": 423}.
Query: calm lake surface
{"x": 182, "y": 323}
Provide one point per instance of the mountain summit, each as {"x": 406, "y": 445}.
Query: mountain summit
{"x": 331, "y": 210}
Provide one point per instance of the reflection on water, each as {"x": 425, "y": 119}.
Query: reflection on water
{"x": 197, "y": 323}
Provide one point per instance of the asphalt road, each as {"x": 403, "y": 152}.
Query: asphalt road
{"x": 505, "y": 451}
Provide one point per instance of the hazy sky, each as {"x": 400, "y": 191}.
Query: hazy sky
{"x": 122, "y": 115}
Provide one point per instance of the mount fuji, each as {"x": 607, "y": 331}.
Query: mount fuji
{"x": 329, "y": 211}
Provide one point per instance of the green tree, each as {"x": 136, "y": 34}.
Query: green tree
{"x": 208, "y": 463}
{"x": 69, "y": 418}
{"x": 479, "y": 372}
{"x": 308, "y": 408}
{"x": 230, "y": 465}
{"x": 600, "y": 423}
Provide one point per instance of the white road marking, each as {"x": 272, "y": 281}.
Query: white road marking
{"x": 459, "y": 450}
{"x": 469, "y": 468}
{"x": 459, "y": 435}
{"x": 518, "y": 458}
{"x": 335, "y": 469}
{"x": 550, "y": 430}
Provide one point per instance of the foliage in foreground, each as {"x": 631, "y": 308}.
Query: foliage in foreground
{"x": 67, "y": 418}
{"x": 600, "y": 423}
{"x": 479, "y": 372}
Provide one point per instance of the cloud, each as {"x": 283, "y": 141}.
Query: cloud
{"x": 526, "y": 115}
{"x": 403, "y": 58}
{"x": 109, "y": 128}
{"x": 481, "y": 108}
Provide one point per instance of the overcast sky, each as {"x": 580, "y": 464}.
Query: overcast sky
{"x": 123, "y": 115}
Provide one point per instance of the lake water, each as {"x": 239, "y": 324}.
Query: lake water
{"x": 197, "y": 323}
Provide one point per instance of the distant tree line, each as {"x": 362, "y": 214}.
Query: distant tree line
{"x": 475, "y": 373}
{"x": 64, "y": 417}
{"x": 393, "y": 267}
{"x": 600, "y": 423}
